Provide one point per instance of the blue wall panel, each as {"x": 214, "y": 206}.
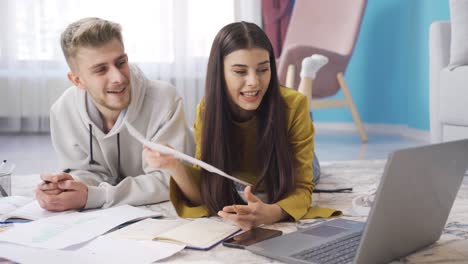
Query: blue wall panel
{"x": 388, "y": 74}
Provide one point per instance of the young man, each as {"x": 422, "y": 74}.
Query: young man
{"x": 102, "y": 162}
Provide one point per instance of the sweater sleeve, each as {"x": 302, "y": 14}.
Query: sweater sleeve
{"x": 301, "y": 137}
{"x": 182, "y": 206}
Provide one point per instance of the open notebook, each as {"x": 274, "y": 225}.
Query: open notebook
{"x": 22, "y": 207}
{"x": 200, "y": 234}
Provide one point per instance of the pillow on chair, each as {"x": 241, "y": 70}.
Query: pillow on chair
{"x": 459, "y": 38}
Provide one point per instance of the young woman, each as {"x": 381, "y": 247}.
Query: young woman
{"x": 251, "y": 128}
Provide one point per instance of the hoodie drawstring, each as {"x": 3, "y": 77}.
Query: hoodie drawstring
{"x": 91, "y": 161}
{"x": 118, "y": 153}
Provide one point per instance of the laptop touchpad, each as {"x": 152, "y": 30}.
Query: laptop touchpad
{"x": 324, "y": 231}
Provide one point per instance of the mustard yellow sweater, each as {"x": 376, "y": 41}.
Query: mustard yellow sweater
{"x": 301, "y": 138}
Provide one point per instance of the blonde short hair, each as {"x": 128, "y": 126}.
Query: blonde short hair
{"x": 88, "y": 32}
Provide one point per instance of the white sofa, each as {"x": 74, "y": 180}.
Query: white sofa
{"x": 448, "y": 88}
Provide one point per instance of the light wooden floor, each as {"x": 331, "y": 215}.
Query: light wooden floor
{"x": 331, "y": 145}
{"x": 33, "y": 153}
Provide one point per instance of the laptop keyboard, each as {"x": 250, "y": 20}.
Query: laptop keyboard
{"x": 341, "y": 250}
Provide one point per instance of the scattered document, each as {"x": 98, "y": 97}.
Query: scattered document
{"x": 169, "y": 151}
{"x": 100, "y": 250}
{"x": 14, "y": 207}
{"x": 11, "y": 203}
{"x": 58, "y": 232}
{"x": 147, "y": 229}
{"x": 201, "y": 233}
{"x": 114, "y": 250}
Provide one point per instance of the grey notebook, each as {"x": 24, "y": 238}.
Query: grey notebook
{"x": 411, "y": 207}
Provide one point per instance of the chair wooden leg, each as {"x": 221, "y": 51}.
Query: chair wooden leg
{"x": 290, "y": 73}
{"x": 352, "y": 106}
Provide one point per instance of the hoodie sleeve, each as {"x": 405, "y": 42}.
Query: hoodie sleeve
{"x": 72, "y": 153}
{"x": 152, "y": 187}
{"x": 143, "y": 189}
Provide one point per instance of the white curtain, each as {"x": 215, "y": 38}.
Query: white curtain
{"x": 169, "y": 39}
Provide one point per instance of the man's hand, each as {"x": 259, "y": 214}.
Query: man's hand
{"x": 253, "y": 214}
{"x": 60, "y": 192}
{"x": 49, "y": 184}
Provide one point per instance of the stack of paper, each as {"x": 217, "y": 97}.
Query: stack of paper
{"x": 100, "y": 250}
{"x": 73, "y": 228}
{"x": 74, "y": 238}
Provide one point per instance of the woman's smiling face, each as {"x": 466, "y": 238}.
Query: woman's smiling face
{"x": 247, "y": 74}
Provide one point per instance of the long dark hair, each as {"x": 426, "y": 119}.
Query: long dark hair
{"x": 274, "y": 154}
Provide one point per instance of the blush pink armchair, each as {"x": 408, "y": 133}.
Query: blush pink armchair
{"x": 330, "y": 28}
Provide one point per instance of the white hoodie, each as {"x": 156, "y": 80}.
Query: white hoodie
{"x": 94, "y": 157}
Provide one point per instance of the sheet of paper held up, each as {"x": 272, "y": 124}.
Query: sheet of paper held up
{"x": 179, "y": 155}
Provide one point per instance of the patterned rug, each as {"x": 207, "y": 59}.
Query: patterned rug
{"x": 363, "y": 176}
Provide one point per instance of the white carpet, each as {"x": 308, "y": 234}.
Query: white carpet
{"x": 363, "y": 177}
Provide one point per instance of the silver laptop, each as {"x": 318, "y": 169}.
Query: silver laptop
{"x": 411, "y": 207}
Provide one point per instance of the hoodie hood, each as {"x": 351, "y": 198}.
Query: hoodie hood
{"x": 112, "y": 165}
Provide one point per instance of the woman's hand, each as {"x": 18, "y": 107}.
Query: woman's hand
{"x": 253, "y": 214}
{"x": 177, "y": 171}
{"x": 158, "y": 160}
